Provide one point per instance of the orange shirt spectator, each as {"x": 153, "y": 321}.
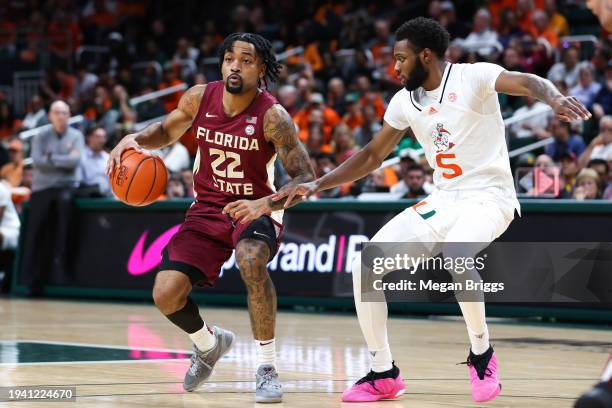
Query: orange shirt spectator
{"x": 558, "y": 23}
{"x": 316, "y": 112}
{"x": 310, "y": 56}
{"x": 353, "y": 117}
{"x": 171, "y": 101}
{"x": 13, "y": 170}
{"x": 541, "y": 28}
{"x": 373, "y": 98}
{"x": 64, "y": 35}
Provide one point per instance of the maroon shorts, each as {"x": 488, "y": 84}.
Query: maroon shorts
{"x": 206, "y": 240}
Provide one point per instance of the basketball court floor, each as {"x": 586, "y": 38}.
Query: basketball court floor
{"x": 127, "y": 355}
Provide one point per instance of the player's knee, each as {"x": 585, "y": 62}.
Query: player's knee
{"x": 252, "y": 258}
{"x": 169, "y": 293}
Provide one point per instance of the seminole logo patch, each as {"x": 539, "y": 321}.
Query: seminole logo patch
{"x": 440, "y": 138}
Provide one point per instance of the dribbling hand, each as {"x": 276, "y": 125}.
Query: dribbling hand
{"x": 114, "y": 158}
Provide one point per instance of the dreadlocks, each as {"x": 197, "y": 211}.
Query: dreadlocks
{"x": 263, "y": 48}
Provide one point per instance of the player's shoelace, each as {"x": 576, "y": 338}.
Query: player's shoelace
{"x": 266, "y": 378}
{"x": 480, "y": 363}
{"x": 197, "y": 363}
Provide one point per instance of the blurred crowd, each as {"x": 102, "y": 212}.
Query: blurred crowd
{"x": 337, "y": 79}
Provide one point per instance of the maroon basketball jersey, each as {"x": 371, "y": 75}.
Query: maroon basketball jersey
{"x": 234, "y": 161}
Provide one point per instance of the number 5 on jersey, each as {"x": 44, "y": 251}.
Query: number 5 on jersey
{"x": 455, "y": 169}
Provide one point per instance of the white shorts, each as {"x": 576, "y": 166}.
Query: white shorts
{"x": 451, "y": 216}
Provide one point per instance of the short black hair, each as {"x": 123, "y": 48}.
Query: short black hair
{"x": 415, "y": 167}
{"x": 263, "y": 48}
{"x": 599, "y": 162}
{"x": 424, "y": 33}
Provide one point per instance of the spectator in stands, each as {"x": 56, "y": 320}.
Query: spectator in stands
{"x": 524, "y": 13}
{"x": 508, "y": 27}
{"x": 187, "y": 177}
{"x": 367, "y": 96}
{"x": 569, "y": 169}
{"x": 602, "y": 169}
{"x": 92, "y": 167}
{"x": 121, "y": 104}
{"x": 287, "y": 96}
{"x": 564, "y": 141}
{"x": 56, "y": 154}
{"x": 175, "y": 187}
{"x": 448, "y": 19}
{"x": 543, "y": 161}
{"x": 375, "y": 183}
{"x": 324, "y": 164}
{"x": 587, "y": 185}
{"x": 84, "y": 84}
{"x": 336, "y": 94}
{"x": 314, "y": 141}
{"x": 170, "y": 80}
{"x": 369, "y": 127}
{"x": 482, "y": 39}
{"x": 9, "y": 236}
{"x": 541, "y": 28}
{"x": 557, "y": 21}
{"x": 36, "y": 114}
{"x": 382, "y": 39}
{"x": 64, "y": 36}
{"x": 412, "y": 183}
{"x": 9, "y": 125}
{"x": 602, "y": 104}
{"x": 12, "y": 172}
{"x": 149, "y": 109}
{"x": 534, "y": 126}
{"x": 304, "y": 118}
{"x": 586, "y": 89}
{"x": 343, "y": 143}
{"x": 568, "y": 69}
{"x": 601, "y": 146}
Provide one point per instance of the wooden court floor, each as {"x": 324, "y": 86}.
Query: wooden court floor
{"x": 126, "y": 355}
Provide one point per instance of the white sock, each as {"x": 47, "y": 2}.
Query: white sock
{"x": 373, "y": 321}
{"x": 476, "y": 322}
{"x": 266, "y": 352}
{"x": 607, "y": 373}
{"x": 204, "y": 339}
{"x": 381, "y": 360}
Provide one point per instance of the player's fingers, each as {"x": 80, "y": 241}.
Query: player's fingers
{"x": 238, "y": 215}
{"x": 230, "y": 206}
{"x": 584, "y": 111}
{"x": 280, "y": 195}
{"x": 291, "y": 197}
{"x": 572, "y": 111}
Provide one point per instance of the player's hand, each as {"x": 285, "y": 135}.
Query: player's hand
{"x": 300, "y": 190}
{"x": 568, "y": 108}
{"x": 114, "y": 158}
{"x": 247, "y": 210}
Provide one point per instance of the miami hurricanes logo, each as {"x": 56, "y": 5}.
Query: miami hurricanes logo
{"x": 440, "y": 138}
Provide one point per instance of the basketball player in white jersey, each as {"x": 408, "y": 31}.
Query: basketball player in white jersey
{"x": 454, "y": 112}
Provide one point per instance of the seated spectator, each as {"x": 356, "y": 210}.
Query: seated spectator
{"x": 369, "y": 127}
{"x": 524, "y": 13}
{"x": 175, "y": 187}
{"x": 343, "y": 143}
{"x": 602, "y": 169}
{"x": 369, "y": 97}
{"x": 601, "y": 146}
{"x": 84, "y": 84}
{"x": 448, "y": 19}
{"x": 569, "y": 169}
{"x": 568, "y": 69}
{"x": 602, "y": 104}
{"x": 543, "y": 161}
{"x": 412, "y": 183}
{"x": 287, "y": 96}
{"x": 508, "y": 27}
{"x": 375, "y": 183}
{"x": 534, "y": 126}
{"x": 315, "y": 140}
{"x": 326, "y": 115}
{"x": 336, "y": 94}
{"x": 170, "y": 80}
{"x": 587, "y": 185}
{"x": 12, "y": 172}
{"x": 541, "y": 28}
{"x": 482, "y": 39}
{"x": 9, "y": 125}
{"x": 36, "y": 114}
{"x": 383, "y": 39}
{"x": 175, "y": 157}
{"x": 353, "y": 117}
{"x": 187, "y": 177}
{"x": 558, "y": 22}
{"x": 563, "y": 140}
{"x": 93, "y": 180}
{"x": 586, "y": 89}
{"x": 324, "y": 163}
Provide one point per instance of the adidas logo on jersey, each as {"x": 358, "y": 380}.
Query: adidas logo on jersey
{"x": 432, "y": 110}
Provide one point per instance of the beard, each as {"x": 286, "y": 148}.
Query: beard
{"x": 234, "y": 89}
{"x": 417, "y": 76}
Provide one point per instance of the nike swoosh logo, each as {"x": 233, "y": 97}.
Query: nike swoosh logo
{"x": 140, "y": 261}
{"x": 265, "y": 344}
{"x": 263, "y": 235}
{"x": 208, "y": 115}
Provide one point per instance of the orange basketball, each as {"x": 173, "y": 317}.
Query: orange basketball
{"x": 140, "y": 179}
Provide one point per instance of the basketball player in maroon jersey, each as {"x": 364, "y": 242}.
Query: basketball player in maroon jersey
{"x": 240, "y": 129}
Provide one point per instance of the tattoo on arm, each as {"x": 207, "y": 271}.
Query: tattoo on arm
{"x": 541, "y": 88}
{"x": 280, "y": 130}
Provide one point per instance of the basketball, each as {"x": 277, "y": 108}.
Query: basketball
{"x": 140, "y": 179}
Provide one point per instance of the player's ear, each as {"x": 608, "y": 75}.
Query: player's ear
{"x": 426, "y": 55}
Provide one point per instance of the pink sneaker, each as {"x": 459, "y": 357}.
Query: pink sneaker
{"x": 483, "y": 375}
{"x": 376, "y": 386}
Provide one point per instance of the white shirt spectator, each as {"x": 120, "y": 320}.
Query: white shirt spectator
{"x": 175, "y": 157}
{"x": 585, "y": 95}
{"x": 559, "y": 72}
{"x": 539, "y": 121}
{"x": 34, "y": 119}
{"x": 602, "y": 152}
{"x": 9, "y": 224}
{"x": 92, "y": 169}
{"x": 484, "y": 42}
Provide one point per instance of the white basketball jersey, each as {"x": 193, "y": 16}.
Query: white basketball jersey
{"x": 460, "y": 127}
